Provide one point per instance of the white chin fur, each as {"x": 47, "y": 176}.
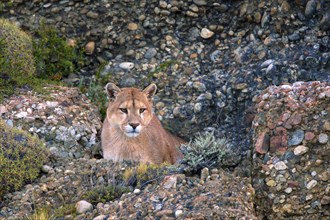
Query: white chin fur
{"x": 132, "y": 134}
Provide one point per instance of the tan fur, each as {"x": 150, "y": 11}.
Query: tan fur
{"x": 149, "y": 142}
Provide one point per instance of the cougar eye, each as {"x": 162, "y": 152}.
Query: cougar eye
{"x": 123, "y": 110}
{"x": 142, "y": 110}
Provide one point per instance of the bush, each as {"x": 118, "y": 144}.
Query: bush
{"x": 16, "y": 58}
{"x": 17, "y": 50}
{"x": 21, "y": 156}
{"x": 105, "y": 193}
{"x": 204, "y": 151}
{"x": 55, "y": 58}
{"x": 144, "y": 173}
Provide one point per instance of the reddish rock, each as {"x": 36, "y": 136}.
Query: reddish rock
{"x": 286, "y": 116}
{"x": 278, "y": 144}
{"x": 309, "y": 136}
{"x": 166, "y": 212}
{"x": 293, "y": 184}
{"x": 295, "y": 119}
{"x": 262, "y": 143}
{"x": 279, "y": 141}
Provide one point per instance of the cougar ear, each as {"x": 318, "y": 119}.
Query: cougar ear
{"x": 150, "y": 90}
{"x": 112, "y": 90}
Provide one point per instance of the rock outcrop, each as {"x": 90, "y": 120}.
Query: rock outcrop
{"x": 292, "y": 151}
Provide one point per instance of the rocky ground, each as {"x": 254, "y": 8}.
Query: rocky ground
{"x": 291, "y": 161}
{"x": 210, "y": 60}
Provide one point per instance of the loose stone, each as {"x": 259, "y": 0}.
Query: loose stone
{"x": 300, "y": 150}
{"x": 323, "y": 138}
{"x": 126, "y": 65}
{"x": 280, "y": 166}
{"x": 311, "y": 184}
{"x": 90, "y": 47}
{"x": 206, "y": 33}
{"x": 296, "y": 137}
{"x": 288, "y": 190}
{"x": 83, "y": 207}
{"x": 132, "y": 26}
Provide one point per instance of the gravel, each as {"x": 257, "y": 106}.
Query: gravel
{"x": 219, "y": 66}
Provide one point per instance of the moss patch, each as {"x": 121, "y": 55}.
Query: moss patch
{"x": 21, "y": 156}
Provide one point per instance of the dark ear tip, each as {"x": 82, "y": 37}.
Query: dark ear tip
{"x": 109, "y": 85}
{"x": 111, "y": 89}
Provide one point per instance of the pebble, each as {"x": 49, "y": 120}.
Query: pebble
{"x": 206, "y": 33}
{"x": 151, "y": 52}
{"x": 296, "y": 137}
{"x": 83, "y": 207}
{"x": 294, "y": 37}
{"x": 310, "y": 8}
{"x": 10, "y": 123}
{"x": 126, "y": 65}
{"x": 267, "y": 63}
{"x": 323, "y": 138}
{"x": 205, "y": 173}
{"x": 46, "y": 168}
{"x": 288, "y": 190}
{"x": 200, "y": 2}
{"x": 311, "y": 184}
{"x": 132, "y": 26}
{"x": 3, "y": 109}
{"x": 21, "y": 115}
{"x": 300, "y": 150}
{"x": 271, "y": 183}
{"x": 178, "y": 213}
{"x": 137, "y": 191}
{"x": 198, "y": 107}
{"x": 90, "y": 47}
{"x": 100, "y": 217}
{"x": 280, "y": 166}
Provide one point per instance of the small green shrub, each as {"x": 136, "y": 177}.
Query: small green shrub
{"x": 144, "y": 173}
{"x": 95, "y": 91}
{"x": 16, "y": 58}
{"x": 54, "y": 57}
{"x": 105, "y": 193}
{"x": 204, "y": 151}
{"x": 51, "y": 213}
{"x": 21, "y": 156}
{"x": 17, "y": 49}
{"x": 17, "y": 64}
{"x": 40, "y": 214}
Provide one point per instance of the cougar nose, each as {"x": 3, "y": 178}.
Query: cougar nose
{"x": 134, "y": 125}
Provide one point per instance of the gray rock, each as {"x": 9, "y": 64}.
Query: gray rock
{"x": 294, "y": 37}
{"x": 200, "y": 2}
{"x": 300, "y": 150}
{"x": 83, "y": 207}
{"x": 323, "y": 138}
{"x": 126, "y": 65}
{"x": 310, "y": 9}
{"x": 151, "y": 52}
{"x": 296, "y": 137}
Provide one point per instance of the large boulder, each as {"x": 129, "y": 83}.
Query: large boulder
{"x": 292, "y": 151}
